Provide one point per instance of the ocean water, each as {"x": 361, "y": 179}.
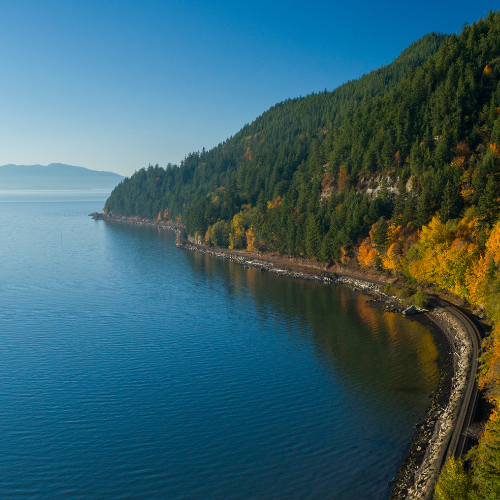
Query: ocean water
{"x": 132, "y": 369}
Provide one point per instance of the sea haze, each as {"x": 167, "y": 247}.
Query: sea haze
{"x": 54, "y": 177}
{"x": 133, "y": 369}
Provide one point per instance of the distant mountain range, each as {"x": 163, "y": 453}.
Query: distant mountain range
{"x": 55, "y": 176}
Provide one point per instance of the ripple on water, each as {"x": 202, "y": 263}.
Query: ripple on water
{"x": 131, "y": 369}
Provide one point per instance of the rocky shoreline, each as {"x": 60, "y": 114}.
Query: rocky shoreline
{"x": 415, "y": 479}
{"x": 417, "y": 476}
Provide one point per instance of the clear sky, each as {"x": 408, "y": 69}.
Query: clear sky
{"x": 116, "y": 84}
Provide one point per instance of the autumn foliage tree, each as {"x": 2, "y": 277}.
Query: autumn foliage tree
{"x": 445, "y": 254}
{"x": 301, "y": 178}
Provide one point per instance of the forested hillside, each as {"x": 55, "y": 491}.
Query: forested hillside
{"x": 261, "y": 159}
{"x": 397, "y": 171}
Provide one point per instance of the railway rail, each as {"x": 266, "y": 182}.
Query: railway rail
{"x": 458, "y": 442}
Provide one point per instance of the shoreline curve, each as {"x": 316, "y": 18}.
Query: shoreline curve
{"x": 444, "y": 427}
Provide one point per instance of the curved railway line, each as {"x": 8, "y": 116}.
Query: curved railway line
{"x": 446, "y": 431}
{"x": 457, "y": 445}
{"x": 458, "y": 442}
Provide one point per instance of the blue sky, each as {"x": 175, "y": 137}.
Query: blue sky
{"x": 116, "y": 85}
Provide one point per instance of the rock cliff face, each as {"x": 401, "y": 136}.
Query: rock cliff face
{"x": 372, "y": 186}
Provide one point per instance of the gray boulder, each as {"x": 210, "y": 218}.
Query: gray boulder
{"x": 410, "y": 310}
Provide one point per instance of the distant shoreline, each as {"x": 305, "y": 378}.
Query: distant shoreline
{"x": 56, "y": 176}
{"x": 55, "y": 190}
{"x": 427, "y": 452}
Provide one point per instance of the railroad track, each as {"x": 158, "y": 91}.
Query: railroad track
{"x": 458, "y": 441}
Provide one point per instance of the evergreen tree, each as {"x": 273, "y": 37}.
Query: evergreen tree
{"x": 380, "y": 235}
{"x": 313, "y": 236}
{"x": 452, "y": 202}
{"x": 488, "y": 206}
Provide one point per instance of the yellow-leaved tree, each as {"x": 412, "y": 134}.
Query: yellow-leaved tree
{"x": 478, "y": 276}
{"x": 250, "y": 235}
{"x": 445, "y": 254}
{"x": 237, "y": 235}
{"x": 399, "y": 238}
{"x": 241, "y": 233}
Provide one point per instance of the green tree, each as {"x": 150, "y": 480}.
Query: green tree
{"x": 453, "y": 483}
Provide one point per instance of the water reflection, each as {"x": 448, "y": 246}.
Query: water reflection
{"x": 377, "y": 353}
{"x": 333, "y": 386}
{"x": 368, "y": 344}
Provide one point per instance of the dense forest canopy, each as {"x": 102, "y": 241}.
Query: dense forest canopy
{"x": 297, "y": 176}
{"x": 397, "y": 171}
{"x": 274, "y": 156}
{"x": 352, "y": 175}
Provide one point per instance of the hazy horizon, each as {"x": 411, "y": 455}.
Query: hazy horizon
{"x": 127, "y": 84}
{"x": 55, "y": 176}
{"x": 59, "y": 163}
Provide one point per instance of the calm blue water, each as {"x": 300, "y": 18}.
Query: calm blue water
{"x": 132, "y": 369}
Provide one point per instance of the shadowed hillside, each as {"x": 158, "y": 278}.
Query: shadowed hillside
{"x": 396, "y": 172}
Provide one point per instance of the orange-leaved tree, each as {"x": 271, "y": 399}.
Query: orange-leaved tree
{"x": 367, "y": 252}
